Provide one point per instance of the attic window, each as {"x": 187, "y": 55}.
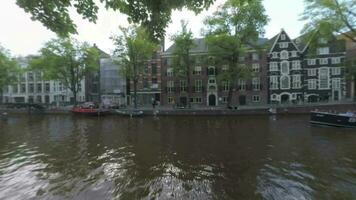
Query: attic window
{"x": 283, "y": 37}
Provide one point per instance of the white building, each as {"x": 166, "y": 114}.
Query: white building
{"x": 31, "y": 88}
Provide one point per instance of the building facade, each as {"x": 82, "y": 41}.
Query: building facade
{"x": 31, "y": 88}
{"x": 306, "y": 73}
{"x": 205, "y": 89}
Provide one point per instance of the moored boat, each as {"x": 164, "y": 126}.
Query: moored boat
{"x": 89, "y": 109}
{"x": 331, "y": 119}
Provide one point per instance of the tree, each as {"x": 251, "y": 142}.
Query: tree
{"x": 153, "y": 15}
{"x": 231, "y": 30}
{"x": 330, "y": 17}
{"x": 68, "y": 61}
{"x": 133, "y": 48}
{"x": 9, "y": 70}
{"x": 183, "y": 43}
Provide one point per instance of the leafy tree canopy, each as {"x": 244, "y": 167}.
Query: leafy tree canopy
{"x": 67, "y": 61}
{"x": 133, "y": 48}
{"x": 331, "y": 17}
{"x": 154, "y": 15}
{"x": 9, "y": 69}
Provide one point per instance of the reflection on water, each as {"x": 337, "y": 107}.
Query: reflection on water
{"x": 274, "y": 158}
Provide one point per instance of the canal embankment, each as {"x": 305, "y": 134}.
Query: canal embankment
{"x": 211, "y": 111}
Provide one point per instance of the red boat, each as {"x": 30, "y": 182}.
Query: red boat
{"x": 89, "y": 109}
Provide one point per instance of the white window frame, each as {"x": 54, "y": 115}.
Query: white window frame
{"x": 282, "y": 67}
{"x": 323, "y": 50}
{"x": 255, "y": 56}
{"x": 312, "y": 83}
{"x": 273, "y": 82}
{"x": 323, "y": 61}
{"x": 281, "y": 82}
{"x": 311, "y": 61}
{"x": 170, "y": 72}
{"x": 283, "y": 45}
{"x": 273, "y": 66}
{"x": 327, "y": 78}
{"x": 294, "y": 54}
{"x": 256, "y": 83}
{"x": 284, "y": 55}
{"x": 242, "y": 84}
{"x": 336, "y": 83}
{"x": 335, "y": 71}
{"x": 297, "y": 81}
{"x": 335, "y": 60}
{"x": 197, "y": 70}
{"x": 283, "y": 36}
{"x": 296, "y": 65}
{"x": 256, "y": 67}
{"x": 256, "y": 98}
{"x": 311, "y": 72}
{"x": 274, "y": 54}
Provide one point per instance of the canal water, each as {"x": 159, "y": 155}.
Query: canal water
{"x": 273, "y": 158}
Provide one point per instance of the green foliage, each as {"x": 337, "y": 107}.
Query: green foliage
{"x": 331, "y": 17}
{"x": 183, "y": 43}
{"x": 67, "y": 61}
{"x": 9, "y": 69}
{"x": 154, "y": 15}
{"x": 133, "y": 48}
{"x": 232, "y": 30}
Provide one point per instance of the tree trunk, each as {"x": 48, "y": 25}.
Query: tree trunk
{"x": 135, "y": 93}
{"x": 75, "y": 97}
{"x": 1, "y": 96}
{"x": 353, "y": 88}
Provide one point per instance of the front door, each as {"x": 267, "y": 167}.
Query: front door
{"x": 336, "y": 95}
{"x": 212, "y": 100}
{"x": 242, "y": 100}
{"x": 183, "y": 101}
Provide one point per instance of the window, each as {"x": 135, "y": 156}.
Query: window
{"x": 285, "y": 82}
{"x": 242, "y": 84}
{"x": 324, "y": 78}
{"x": 275, "y": 55}
{"x": 273, "y": 82}
{"x": 31, "y": 88}
{"x": 79, "y": 87}
{"x": 224, "y": 99}
{"x": 38, "y": 76}
{"x": 30, "y": 76}
{"x": 15, "y": 88}
{"x": 284, "y": 55}
{"x": 225, "y": 68}
{"x": 47, "y": 87}
{"x": 294, "y": 54}
{"x": 283, "y": 45}
{"x": 297, "y": 82}
{"x": 154, "y": 69}
{"x": 145, "y": 83}
{"x": 23, "y": 88}
{"x": 335, "y": 71}
{"x": 256, "y": 98}
{"x": 170, "y": 100}
{"x": 197, "y": 99}
{"x": 255, "y": 56}
{"x": 242, "y": 58}
{"x": 296, "y": 65}
{"x": 170, "y": 86}
{"x": 198, "y": 85}
{"x": 154, "y": 80}
{"x": 211, "y": 71}
{"x": 323, "y": 50}
{"x": 39, "y": 87}
{"x": 256, "y": 67}
{"x": 212, "y": 81}
{"x": 183, "y": 85}
{"x": 170, "y": 72}
{"x": 226, "y": 86}
{"x": 197, "y": 70}
{"x": 323, "y": 61}
{"x": 322, "y": 41}
{"x": 256, "y": 83}
{"x": 274, "y": 97}
{"x": 312, "y": 84}
{"x": 285, "y": 67}
{"x": 311, "y": 61}
{"x": 283, "y": 36}
{"x": 311, "y": 72}
{"x": 273, "y": 66}
{"x": 335, "y": 60}
{"x": 336, "y": 83}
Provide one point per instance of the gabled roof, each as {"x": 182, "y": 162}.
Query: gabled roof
{"x": 201, "y": 47}
{"x": 276, "y": 38}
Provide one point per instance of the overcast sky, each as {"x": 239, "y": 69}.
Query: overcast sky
{"x": 22, "y": 36}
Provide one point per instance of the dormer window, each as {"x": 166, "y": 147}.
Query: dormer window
{"x": 283, "y": 37}
{"x": 284, "y": 55}
{"x": 294, "y": 54}
{"x": 283, "y": 45}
